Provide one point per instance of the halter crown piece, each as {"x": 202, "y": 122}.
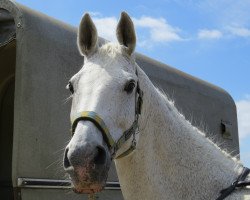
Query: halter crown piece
{"x": 113, "y": 145}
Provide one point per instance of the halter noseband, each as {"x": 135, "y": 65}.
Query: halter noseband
{"x": 113, "y": 145}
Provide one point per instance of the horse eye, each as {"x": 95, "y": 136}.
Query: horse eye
{"x": 70, "y": 87}
{"x": 130, "y": 85}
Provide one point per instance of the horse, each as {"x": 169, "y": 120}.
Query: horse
{"x": 118, "y": 114}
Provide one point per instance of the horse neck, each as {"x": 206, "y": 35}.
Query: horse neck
{"x": 172, "y": 156}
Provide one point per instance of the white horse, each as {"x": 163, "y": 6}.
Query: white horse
{"x": 167, "y": 158}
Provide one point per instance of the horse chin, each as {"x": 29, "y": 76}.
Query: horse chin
{"x": 88, "y": 183}
{"x": 89, "y": 189}
{"x": 87, "y": 186}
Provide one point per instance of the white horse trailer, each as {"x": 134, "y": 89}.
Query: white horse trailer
{"x": 38, "y": 55}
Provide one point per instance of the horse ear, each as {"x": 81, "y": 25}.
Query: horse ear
{"x": 87, "y": 38}
{"x": 125, "y": 33}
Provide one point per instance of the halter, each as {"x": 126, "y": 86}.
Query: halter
{"x": 113, "y": 145}
{"x": 239, "y": 183}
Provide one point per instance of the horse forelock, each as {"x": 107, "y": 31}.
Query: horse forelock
{"x": 110, "y": 53}
{"x": 111, "y": 49}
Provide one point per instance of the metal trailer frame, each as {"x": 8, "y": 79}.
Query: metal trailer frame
{"x": 38, "y": 55}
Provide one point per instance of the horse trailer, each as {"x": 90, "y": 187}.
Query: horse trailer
{"x": 38, "y": 55}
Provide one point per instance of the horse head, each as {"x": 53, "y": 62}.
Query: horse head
{"x": 104, "y": 103}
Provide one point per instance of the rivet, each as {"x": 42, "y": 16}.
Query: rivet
{"x": 19, "y": 25}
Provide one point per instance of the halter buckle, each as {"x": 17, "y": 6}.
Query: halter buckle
{"x": 133, "y": 143}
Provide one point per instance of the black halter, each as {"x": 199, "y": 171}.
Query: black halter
{"x": 239, "y": 183}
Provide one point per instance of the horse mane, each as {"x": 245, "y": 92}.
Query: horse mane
{"x": 170, "y": 103}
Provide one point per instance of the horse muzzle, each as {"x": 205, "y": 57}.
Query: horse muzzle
{"x": 86, "y": 161}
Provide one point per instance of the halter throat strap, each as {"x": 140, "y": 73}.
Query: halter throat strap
{"x": 239, "y": 183}
{"x": 113, "y": 145}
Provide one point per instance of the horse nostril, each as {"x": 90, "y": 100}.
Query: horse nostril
{"x": 66, "y": 162}
{"x": 100, "y": 157}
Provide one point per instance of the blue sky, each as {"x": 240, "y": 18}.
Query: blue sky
{"x": 209, "y": 39}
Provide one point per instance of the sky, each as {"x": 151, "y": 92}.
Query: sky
{"x": 209, "y": 39}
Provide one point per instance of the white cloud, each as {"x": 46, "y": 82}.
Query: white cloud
{"x": 226, "y": 32}
{"x": 239, "y": 31}
{"x": 152, "y": 30}
{"x": 233, "y": 16}
{"x": 209, "y": 34}
{"x": 243, "y": 112}
{"x": 106, "y": 27}
{"x": 159, "y": 29}
{"x": 95, "y": 14}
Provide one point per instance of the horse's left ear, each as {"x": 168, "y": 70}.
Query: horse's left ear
{"x": 125, "y": 33}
